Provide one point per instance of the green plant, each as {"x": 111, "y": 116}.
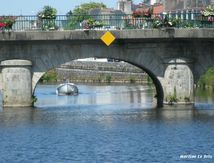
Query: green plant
{"x": 172, "y": 98}
{"x": 47, "y": 18}
{"x": 187, "y": 99}
{"x": 50, "y": 76}
{"x": 81, "y": 13}
{"x": 209, "y": 11}
{"x": 132, "y": 79}
{"x": 33, "y": 99}
{"x": 207, "y": 79}
{"x": 149, "y": 80}
{"x": 159, "y": 22}
{"x": 48, "y": 12}
{"x": 188, "y": 25}
{"x": 108, "y": 78}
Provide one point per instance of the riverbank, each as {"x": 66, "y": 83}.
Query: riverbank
{"x": 207, "y": 80}
{"x": 97, "y": 72}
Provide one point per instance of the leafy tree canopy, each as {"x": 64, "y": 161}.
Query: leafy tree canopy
{"x": 84, "y": 8}
{"x": 47, "y": 12}
{"x": 80, "y": 13}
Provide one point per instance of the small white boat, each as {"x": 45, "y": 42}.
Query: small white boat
{"x": 67, "y": 89}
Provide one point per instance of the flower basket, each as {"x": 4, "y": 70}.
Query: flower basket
{"x": 6, "y": 22}
{"x": 47, "y": 18}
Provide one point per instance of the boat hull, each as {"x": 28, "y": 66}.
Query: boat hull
{"x": 67, "y": 89}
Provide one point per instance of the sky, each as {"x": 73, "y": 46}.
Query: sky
{"x": 31, "y": 7}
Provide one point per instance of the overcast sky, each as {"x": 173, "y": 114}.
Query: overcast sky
{"x": 31, "y": 7}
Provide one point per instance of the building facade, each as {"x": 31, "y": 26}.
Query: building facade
{"x": 172, "y": 5}
{"x": 125, "y": 6}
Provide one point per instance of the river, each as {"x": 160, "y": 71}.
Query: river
{"x": 107, "y": 123}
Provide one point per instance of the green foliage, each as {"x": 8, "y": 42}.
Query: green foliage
{"x": 50, "y": 76}
{"x": 209, "y": 11}
{"x": 33, "y": 99}
{"x": 84, "y": 8}
{"x": 187, "y": 99}
{"x": 47, "y": 18}
{"x": 47, "y": 12}
{"x": 91, "y": 23}
{"x": 188, "y": 25}
{"x": 172, "y": 98}
{"x": 166, "y": 22}
{"x": 108, "y": 78}
{"x": 207, "y": 79}
{"x": 132, "y": 79}
{"x": 149, "y": 80}
{"x": 81, "y": 13}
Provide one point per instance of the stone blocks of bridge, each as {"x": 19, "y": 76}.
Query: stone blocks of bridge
{"x": 178, "y": 83}
{"x": 16, "y": 82}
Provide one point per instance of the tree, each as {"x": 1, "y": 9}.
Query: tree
{"x": 84, "y": 8}
{"x": 81, "y": 13}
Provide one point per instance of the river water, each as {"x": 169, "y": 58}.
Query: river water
{"x": 116, "y": 123}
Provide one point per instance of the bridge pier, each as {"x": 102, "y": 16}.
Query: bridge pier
{"x": 16, "y": 83}
{"x": 178, "y": 83}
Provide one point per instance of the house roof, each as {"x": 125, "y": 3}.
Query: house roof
{"x": 158, "y": 8}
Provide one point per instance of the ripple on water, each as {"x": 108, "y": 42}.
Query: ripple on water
{"x": 107, "y": 131}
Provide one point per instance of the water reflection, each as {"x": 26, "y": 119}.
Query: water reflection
{"x": 59, "y": 115}
{"x": 204, "y": 98}
{"x": 106, "y": 124}
{"x": 98, "y": 95}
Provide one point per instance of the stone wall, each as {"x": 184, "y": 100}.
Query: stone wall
{"x": 116, "y": 72}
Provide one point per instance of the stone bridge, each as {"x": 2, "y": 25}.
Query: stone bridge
{"x": 26, "y": 56}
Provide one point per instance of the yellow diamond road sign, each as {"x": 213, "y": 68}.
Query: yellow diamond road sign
{"x": 108, "y": 38}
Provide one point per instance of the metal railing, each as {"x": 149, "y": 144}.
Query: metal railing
{"x": 111, "y": 22}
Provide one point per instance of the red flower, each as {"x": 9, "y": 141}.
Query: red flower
{"x": 3, "y": 24}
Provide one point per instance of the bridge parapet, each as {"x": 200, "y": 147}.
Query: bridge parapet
{"x": 155, "y": 34}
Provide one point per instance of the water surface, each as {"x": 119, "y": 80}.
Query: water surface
{"x": 106, "y": 124}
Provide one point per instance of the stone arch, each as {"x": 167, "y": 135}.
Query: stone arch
{"x": 158, "y": 85}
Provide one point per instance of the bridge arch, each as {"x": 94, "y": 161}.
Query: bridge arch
{"x": 158, "y": 86}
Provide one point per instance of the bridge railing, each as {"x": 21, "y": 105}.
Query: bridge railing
{"x": 106, "y": 22}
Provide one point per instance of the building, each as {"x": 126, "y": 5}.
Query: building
{"x": 157, "y": 8}
{"x": 173, "y": 5}
{"x": 125, "y": 6}
{"x": 151, "y": 2}
{"x": 110, "y": 17}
